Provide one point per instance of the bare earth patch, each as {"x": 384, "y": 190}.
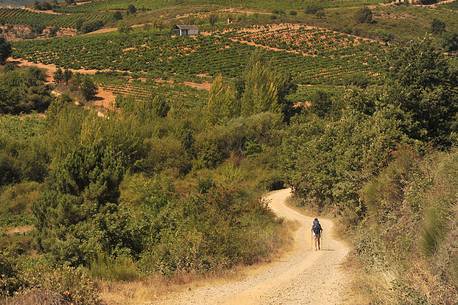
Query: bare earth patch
{"x": 18, "y": 230}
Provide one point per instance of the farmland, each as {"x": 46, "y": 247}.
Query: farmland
{"x": 159, "y": 55}
{"x": 251, "y": 4}
{"x": 21, "y": 16}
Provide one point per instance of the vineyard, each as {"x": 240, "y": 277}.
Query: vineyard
{"x": 343, "y": 58}
{"x": 182, "y": 98}
{"x": 256, "y": 4}
{"x": 302, "y": 39}
{"x": 21, "y": 16}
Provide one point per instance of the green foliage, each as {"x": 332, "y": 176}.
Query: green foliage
{"x": 5, "y": 50}
{"x": 9, "y": 172}
{"x": 10, "y": 280}
{"x": 88, "y": 89}
{"x": 364, "y": 15}
{"x": 437, "y": 26}
{"x": 265, "y": 90}
{"x": 222, "y": 102}
{"x": 121, "y": 268}
{"x": 204, "y": 232}
{"x": 15, "y": 16}
{"x": 422, "y": 85}
{"x": 124, "y": 28}
{"x": 450, "y": 42}
{"x": 327, "y": 160}
{"x": 313, "y": 9}
{"x": 322, "y": 104}
{"x": 159, "y": 55}
{"x": 23, "y": 90}
{"x": 117, "y": 15}
{"x": 131, "y": 9}
{"x": 91, "y": 26}
{"x": 17, "y": 200}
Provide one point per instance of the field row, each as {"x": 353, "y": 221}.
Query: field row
{"x": 21, "y": 16}
{"x": 303, "y": 39}
{"x": 178, "y": 95}
{"x": 160, "y": 55}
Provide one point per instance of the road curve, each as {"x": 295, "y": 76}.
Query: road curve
{"x": 300, "y": 277}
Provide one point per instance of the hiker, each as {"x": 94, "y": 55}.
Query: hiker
{"x": 316, "y": 231}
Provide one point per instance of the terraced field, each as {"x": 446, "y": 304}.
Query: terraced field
{"x": 342, "y": 57}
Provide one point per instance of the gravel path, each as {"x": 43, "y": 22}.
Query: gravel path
{"x": 301, "y": 276}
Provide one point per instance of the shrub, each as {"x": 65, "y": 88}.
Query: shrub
{"x": 313, "y": 9}
{"x": 9, "y": 172}
{"x": 5, "y": 50}
{"x": 213, "y": 19}
{"x": 10, "y": 280}
{"x": 364, "y": 15}
{"x": 73, "y": 285}
{"x": 121, "y": 268}
{"x": 293, "y": 13}
{"x": 17, "y": 200}
{"x": 131, "y": 9}
{"x": 384, "y": 36}
{"x": 117, "y": 15}
{"x": 88, "y": 89}
{"x": 450, "y": 42}
{"x": 320, "y": 14}
{"x": 124, "y": 28}
{"x": 91, "y": 26}
{"x": 437, "y": 26}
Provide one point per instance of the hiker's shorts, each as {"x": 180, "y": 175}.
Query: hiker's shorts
{"x": 316, "y": 236}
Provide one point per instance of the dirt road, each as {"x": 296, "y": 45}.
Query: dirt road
{"x": 301, "y": 276}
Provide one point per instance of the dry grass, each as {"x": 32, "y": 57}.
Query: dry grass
{"x": 36, "y": 297}
{"x": 365, "y": 286}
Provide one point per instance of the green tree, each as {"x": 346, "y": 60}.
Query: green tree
{"x": 81, "y": 192}
{"x": 265, "y": 89}
{"x": 161, "y": 107}
{"x": 222, "y": 102}
{"x": 131, "y": 9}
{"x": 5, "y": 50}
{"x": 88, "y": 89}
{"x": 423, "y": 85}
{"x": 24, "y": 90}
{"x": 322, "y": 104}
{"x": 67, "y": 76}
{"x": 59, "y": 75}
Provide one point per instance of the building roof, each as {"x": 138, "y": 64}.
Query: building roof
{"x": 186, "y": 27}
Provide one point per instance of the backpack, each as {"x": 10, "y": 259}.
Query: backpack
{"x": 316, "y": 228}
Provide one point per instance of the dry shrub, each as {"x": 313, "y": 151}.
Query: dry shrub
{"x": 35, "y": 297}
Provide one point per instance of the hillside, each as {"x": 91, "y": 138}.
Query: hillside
{"x": 135, "y": 162}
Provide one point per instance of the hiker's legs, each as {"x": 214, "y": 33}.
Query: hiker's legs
{"x": 316, "y": 237}
{"x": 319, "y": 242}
